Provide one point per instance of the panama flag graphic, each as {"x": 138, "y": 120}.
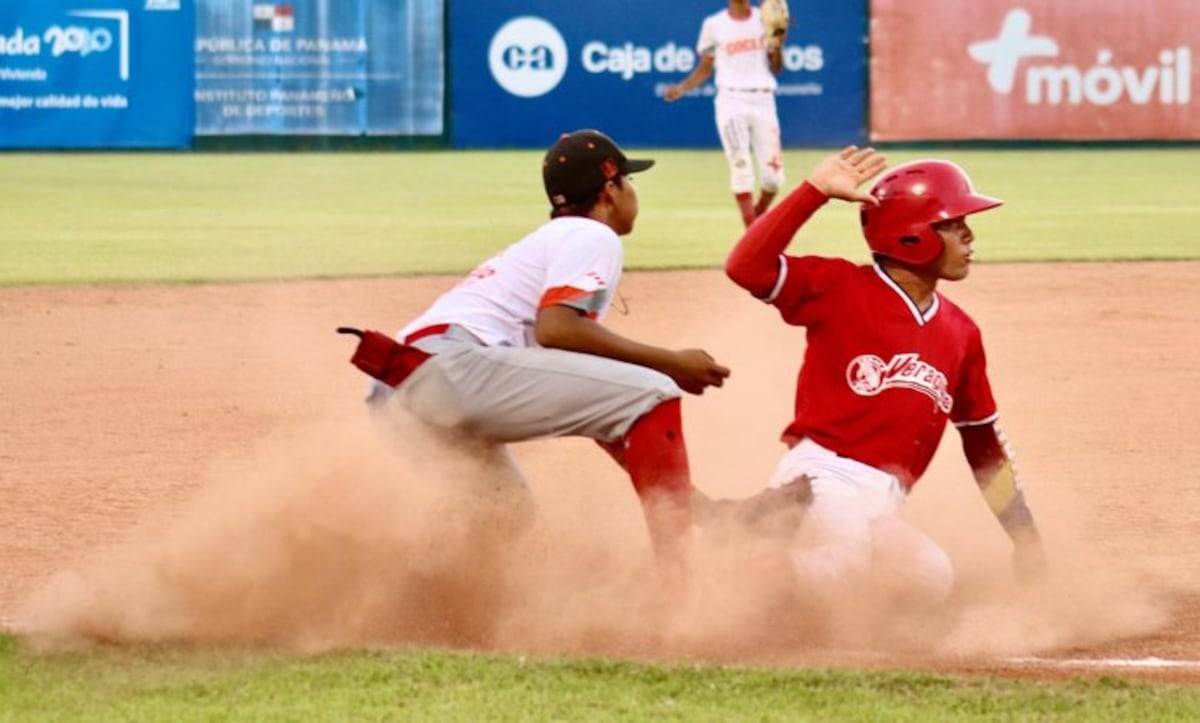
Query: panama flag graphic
{"x": 274, "y": 18}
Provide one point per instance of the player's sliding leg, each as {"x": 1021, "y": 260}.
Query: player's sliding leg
{"x": 912, "y": 570}
{"x": 655, "y": 456}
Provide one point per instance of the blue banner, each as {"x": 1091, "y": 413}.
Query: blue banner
{"x": 96, "y": 73}
{"x": 320, "y": 67}
{"x": 526, "y": 70}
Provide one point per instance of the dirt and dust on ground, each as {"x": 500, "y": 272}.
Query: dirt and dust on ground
{"x": 195, "y": 464}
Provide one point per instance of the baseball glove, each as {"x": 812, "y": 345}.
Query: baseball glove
{"x": 775, "y": 19}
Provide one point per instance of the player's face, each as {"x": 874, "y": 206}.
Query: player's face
{"x": 955, "y": 261}
{"x": 625, "y": 205}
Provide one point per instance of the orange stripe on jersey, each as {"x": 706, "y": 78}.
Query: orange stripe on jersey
{"x": 589, "y": 302}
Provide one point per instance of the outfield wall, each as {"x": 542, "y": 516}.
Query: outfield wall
{"x": 516, "y": 73}
{"x": 320, "y": 67}
{"x": 1092, "y": 70}
{"x": 528, "y": 70}
{"x": 86, "y": 74}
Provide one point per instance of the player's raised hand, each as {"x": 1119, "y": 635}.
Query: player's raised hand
{"x": 841, "y": 174}
{"x": 695, "y": 369}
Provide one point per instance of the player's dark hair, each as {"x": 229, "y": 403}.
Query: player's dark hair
{"x": 584, "y": 207}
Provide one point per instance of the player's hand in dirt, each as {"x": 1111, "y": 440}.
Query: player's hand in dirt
{"x": 841, "y": 174}
{"x": 695, "y": 369}
{"x": 1029, "y": 561}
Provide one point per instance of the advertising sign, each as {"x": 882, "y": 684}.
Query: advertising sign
{"x": 320, "y": 67}
{"x": 1038, "y": 69}
{"x": 96, "y": 73}
{"x": 526, "y": 71}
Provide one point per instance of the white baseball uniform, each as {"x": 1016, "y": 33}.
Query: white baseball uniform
{"x": 489, "y": 378}
{"x": 745, "y": 104}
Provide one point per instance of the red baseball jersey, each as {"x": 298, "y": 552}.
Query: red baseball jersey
{"x": 880, "y": 377}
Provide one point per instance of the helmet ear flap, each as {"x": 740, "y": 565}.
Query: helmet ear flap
{"x": 919, "y": 248}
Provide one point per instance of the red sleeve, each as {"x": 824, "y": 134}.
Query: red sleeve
{"x": 802, "y": 292}
{"x": 984, "y": 448}
{"x": 754, "y": 262}
{"x": 973, "y": 401}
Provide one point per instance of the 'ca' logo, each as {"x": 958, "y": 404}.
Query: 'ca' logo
{"x": 528, "y": 57}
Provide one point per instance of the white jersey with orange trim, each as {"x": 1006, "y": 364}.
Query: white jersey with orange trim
{"x": 739, "y": 50}
{"x": 571, "y": 261}
{"x": 487, "y": 375}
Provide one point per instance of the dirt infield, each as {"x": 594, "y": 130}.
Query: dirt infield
{"x": 194, "y": 463}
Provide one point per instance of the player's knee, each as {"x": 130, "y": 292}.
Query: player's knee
{"x": 741, "y": 175}
{"x": 932, "y": 576}
{"x": 829, "y": 566}
{"x": 646, "y": 390}
{"x": 659, "y": 386}
{"x": 773, "y": 181}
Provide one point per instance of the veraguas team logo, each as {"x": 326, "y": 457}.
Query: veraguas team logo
{"x": 869, "y": 375}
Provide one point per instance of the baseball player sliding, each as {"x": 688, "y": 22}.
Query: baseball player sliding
{"x": 517, "y": 351}
{"x": 746, "y": 54}
{"x": 888, "y": 361}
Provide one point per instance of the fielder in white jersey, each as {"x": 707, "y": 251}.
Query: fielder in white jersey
{"x": 516, "y": 351}
{"x": 733, "y": 42}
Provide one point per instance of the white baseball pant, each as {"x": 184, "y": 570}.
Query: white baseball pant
{"x": 473, "y": 399}
{"x": 511, "y": 394}
{"x": 749, "y": 130}
{"x": 852, "y": 538}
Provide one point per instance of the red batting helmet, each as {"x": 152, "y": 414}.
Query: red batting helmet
{"x": 913, "y": 197}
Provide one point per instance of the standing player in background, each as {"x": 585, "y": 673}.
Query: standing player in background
{"x": 735, "y": 43}
{"x": 888, "y": 361}
{"x": 516, "y": 351}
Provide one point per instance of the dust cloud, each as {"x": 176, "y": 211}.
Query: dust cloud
{"x": 329, "y": 537}
{"x": 332, "y": 535}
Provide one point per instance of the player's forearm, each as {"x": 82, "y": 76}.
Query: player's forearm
{"x": 562, "y": 328}
{"x": 995, "y": 473}
{"x": 753, "y": 264}
{"x": 775, "y": 59}
{"x": 696, "y": 78}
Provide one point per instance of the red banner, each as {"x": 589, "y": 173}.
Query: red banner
{"x": 1035, "y": 69}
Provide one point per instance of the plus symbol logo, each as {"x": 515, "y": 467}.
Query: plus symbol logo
{"x": 1003, "y": 53}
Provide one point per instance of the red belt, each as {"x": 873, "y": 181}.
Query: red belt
{"x": 427, "y": 331}
{"x": 382, "y": 357}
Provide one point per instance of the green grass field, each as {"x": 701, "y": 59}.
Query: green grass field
{"x": 119, "y": 218}
{"x": 170, "y": 684}
{"x": 100, "y": 218}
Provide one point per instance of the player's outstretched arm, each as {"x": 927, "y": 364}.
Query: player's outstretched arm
{"x": 753, "y": 264}
{"x": 697, "y": 77}
{"x": 987, "y": 452}
{"x": 564, "y": 327}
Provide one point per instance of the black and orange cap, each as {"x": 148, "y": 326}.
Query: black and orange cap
{"x": 580, "y": 163}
